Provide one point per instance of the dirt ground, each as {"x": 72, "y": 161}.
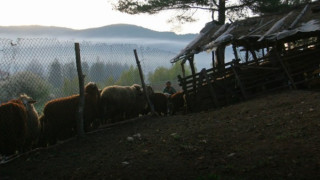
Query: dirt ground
{"x": 271, "y": 137}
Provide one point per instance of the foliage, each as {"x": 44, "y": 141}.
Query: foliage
{"x": 164, "y": 74}
{"x": 272, "y": 6}
{"x": 155, "y": 6}
{"x": 129, "y": 77}
{"x": 24, "y": 82}
{"x": 70, "y": 86}
{"x": 70, "y": 70}
{"x": 55, "y": 74}
{"x": 233, "y": 9}
{"x": 97, "y": 71}
{"x": 85, "y": 68}
{"x": 36, "y": 67}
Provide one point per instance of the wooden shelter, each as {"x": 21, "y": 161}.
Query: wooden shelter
{"x": 271, "y": 52}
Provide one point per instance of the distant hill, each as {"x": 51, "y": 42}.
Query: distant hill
{"x": 111, "y": 31}
{"x": 118, "y": 33}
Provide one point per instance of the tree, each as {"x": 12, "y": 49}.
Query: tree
{"x": 97, "y": 71}
{"x": 70, "y": 70}
{"x": 85, "y": 68}
{"x": 164, "y": 74}
{"x": 223, "y": 7}
{"x": 24, "y": 82}
{"x": 271, "y": 6}
{"x": 155, "y": 6}
{"x": 129, "y": 77}
{"x": 35, "y": 67}
{"x": 55, "y": 74}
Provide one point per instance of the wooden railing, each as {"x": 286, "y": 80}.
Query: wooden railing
{"x": 238, "y": 81}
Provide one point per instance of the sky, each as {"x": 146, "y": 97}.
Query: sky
{"x": 83, "y": 14}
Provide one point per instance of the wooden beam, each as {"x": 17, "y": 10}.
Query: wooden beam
{"x": 294, "y": 23}
{"x": 183, "y": 70}
{"x": 275, "y": 27}
{"x": 193, "y": 71}
{"x": 213, "y": 59}
{"x": 211, "y": 89}
{"x": 242, "y": 89}
{"x": 285, "y": 68}
{"x": 142, "y": 82}
{"x": 235, "y": 52}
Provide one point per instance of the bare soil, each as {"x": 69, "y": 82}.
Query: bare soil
{"x": 272, "y": 137}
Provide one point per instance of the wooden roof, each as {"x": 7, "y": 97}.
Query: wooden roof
{"x": 256, "y": 30}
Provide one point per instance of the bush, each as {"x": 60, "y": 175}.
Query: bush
{"x": 24, "y": 82}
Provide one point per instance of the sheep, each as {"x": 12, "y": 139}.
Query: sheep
{"x": 33, "y": 123}
{"x": 123, "y": 102}
{"x": 159, "y": 101}
{"x": 60, "y": 115}
{"x": 13, "y": 127}
{"x": 177, "y": 101}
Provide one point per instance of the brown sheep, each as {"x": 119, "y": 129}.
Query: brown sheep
{"x": 177, "y": 101}
{"x": 59, "y": 118}
{"x": 122, "y": 102}
{"x": 13, "y": 127}
{"x": 159, "y": 101}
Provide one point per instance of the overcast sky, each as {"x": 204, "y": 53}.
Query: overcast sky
{"x": 82, "y": 14}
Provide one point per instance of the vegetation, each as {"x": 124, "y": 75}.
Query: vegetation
{"x": 188, "y": 7}
{"x": 129, "y": 77}
{"x": 164, "y": 74}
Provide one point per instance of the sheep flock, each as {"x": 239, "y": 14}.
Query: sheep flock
{"x": 23, "y": 129}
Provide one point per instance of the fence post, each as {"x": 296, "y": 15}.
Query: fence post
{"x": 142, "y": 82}
{"x": 81, "y": 89}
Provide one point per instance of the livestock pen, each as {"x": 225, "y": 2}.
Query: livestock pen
{"x": 270, "y": 53}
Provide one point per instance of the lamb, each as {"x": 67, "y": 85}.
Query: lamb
{"x": 19, "y": 125}
{"x": 59, "y": 118}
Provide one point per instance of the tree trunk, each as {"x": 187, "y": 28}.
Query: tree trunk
{"x": 222, "y": 11}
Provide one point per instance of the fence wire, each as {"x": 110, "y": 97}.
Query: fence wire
{"x": 45, "y": 69}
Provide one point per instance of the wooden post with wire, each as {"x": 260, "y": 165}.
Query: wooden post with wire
{"x": 80, "y": 120}
{"x": 142, "y": 82}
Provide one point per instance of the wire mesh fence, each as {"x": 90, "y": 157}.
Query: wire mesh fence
{"x": 45, "y": 69}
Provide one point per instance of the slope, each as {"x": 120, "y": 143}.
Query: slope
{"x": 271, "y": 137}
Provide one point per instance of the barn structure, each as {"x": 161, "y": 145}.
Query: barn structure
{"x": 271, "y": 52}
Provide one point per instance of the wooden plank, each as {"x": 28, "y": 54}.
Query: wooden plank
{"x": 257, "y": 67}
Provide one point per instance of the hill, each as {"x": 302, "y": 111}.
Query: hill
{"x": 114, "y": 34}
{"x": 111, "y": 31}
{"x": 271, "y": 137}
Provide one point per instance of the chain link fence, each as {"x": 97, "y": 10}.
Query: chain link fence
{"x": 45, "y": 69}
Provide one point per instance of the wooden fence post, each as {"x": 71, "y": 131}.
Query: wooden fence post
{"x": 80, "y": 121}
{"x": 142, "y": 82}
